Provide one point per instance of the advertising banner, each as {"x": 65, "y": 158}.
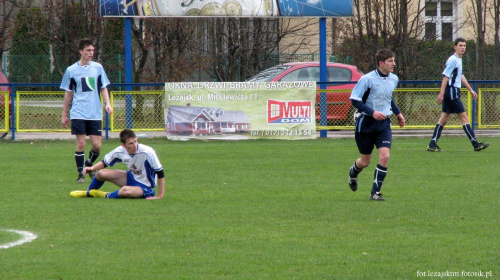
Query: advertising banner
{"x": 240, "y": 110}
{"x": 226, "y": 8}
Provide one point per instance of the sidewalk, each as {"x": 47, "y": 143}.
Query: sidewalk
{"x": 68, "y": 136}
{"x": 418, "y": 133}
{"x": 330, "y": 134}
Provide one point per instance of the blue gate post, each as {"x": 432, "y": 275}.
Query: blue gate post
{"x": 106, "y": 123}
{"x": 473, "y": 117}
{"x": 13, "y": 113}
{"x": 128, "y": 72}
{"x": 322, "y": 66}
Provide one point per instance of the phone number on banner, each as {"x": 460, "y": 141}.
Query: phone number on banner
{"x": 279, "y": 132}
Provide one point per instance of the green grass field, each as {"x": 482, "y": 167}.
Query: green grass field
{"x": 256, "y": 209}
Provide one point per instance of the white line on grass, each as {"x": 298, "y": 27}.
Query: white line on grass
{"x": 26, "y": 237}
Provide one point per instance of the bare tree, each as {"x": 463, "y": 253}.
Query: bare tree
{"x": 8, "y": 12}
{"x": 496, "y": 17}
{"x": 67, "y": 22}
{"x": 479, "y": 15}
{"x": 393, "y": 24}
{"x": 166, "y": 49}
{"x": 241, "y": 47}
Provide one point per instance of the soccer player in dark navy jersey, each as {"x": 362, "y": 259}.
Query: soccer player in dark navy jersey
{"x": 372, "y": 97}
{"x": 84, "y": 82}
{"x": 449, "y": 97}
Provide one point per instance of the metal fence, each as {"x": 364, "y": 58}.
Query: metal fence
{"x": 24, "y": 68}
{"x": 4, "y": 111}
{"x": 488, "y": 112}
{"x": 141, "y": 110}
{"x": 35, "y": 110}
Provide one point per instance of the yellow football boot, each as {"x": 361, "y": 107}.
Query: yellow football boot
{"x": 97, "y": 193}
{"x": 80, "y": 194}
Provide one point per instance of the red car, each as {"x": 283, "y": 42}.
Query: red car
{"x": 339, "y": 109}
{"x": 3, "y": 80}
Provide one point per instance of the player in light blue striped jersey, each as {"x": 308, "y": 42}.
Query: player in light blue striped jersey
{"x": 85, "y": 83}
{"x": 449, "y": 97}
{"x": 372, "y": 97}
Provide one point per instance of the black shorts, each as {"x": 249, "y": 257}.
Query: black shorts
{"x": 86, "y": 127}
{"x": 451, "y": 101}
{"x": 379, "y": 139}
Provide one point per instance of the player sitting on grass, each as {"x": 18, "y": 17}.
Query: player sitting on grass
{"x": 137, "y": 182}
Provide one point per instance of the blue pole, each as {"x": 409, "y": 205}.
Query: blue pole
{"x": 128, "y": 71}
{"x": 13, "y": 113}
{"x": 473, "y": 117}
{"x": 322, "y": 71}
{"x": 106, "y": 122}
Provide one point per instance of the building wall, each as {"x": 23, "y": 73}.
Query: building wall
{"x": 463, "y": 26}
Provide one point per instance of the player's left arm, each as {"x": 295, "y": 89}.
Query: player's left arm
{"x": 161, "y": 189}
{"x": 401, "y": 120}
{"x": 466, "y": 84}
{"x": 397, "y": 112}
{"x": 160, "y": 175}
{"x": 105, "y": 97}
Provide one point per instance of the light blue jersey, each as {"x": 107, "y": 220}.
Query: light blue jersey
{"x": 85, "y": 81}
{"x": 375, "y": 91}
{"x": 453, "y": 70}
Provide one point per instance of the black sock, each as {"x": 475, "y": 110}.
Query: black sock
{"x": 378, "y": 178}
{"x": 436, "y": 135}
{"x": 354, "y": 171}
{"x": 92, "y": 156}
{"x": 80, "y": 161}
{"x": 470, "y": 133}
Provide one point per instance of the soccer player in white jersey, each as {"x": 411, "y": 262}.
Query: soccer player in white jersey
{"x": 449, "y": 97}
{"x": 372, "y": 97}
{"x": 144, "y": 173}
{"x": 84, "y": 83}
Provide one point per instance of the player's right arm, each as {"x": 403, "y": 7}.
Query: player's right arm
{"x": 96, "y": 167}
{"x": 67, "y": 100}
{"x": 443, "y": 88}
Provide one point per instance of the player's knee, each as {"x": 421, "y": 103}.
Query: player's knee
{"x": 443, "y": 120}
{"x": 124, "y": 192}
{"x": 96, "y": 147}
{"x": 99, "y": 176}
{"x": 465, "y": 119}
{"x": 384, "y": 159}
{"x": 80, "y": 145}
{"x": 129, "y": 192}
{"x": 365, "y": 163}
{"x": 102, "y": 175}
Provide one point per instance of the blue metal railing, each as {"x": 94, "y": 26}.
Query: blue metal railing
{"x": 129, "y": 86}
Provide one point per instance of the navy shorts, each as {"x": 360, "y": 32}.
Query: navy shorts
{"x": 86, "y": 127}
{"x": 147, "y": 191}
{"x": 451, "y": 101}
{"x": 367, "y": 140}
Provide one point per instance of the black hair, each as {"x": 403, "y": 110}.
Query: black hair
{"x": 126, "y": 134}
{"x": 460, "y": 40}
{"x": 85, "y": 42}
{"x": 383, "y": 55}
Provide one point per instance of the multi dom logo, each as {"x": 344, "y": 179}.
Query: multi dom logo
{"x": 289, "y": 111}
